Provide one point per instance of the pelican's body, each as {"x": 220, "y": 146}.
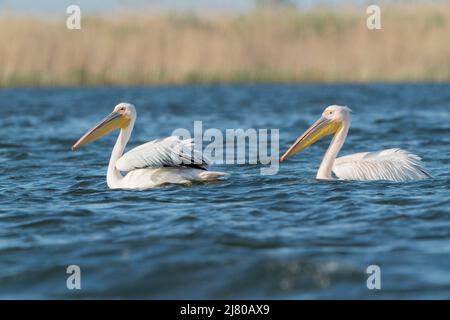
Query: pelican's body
{"x": 170, "y": 160}
{"x": 390, "y": 164}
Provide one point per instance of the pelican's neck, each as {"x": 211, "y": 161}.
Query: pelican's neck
{"x": 114, "y": 177}
{"x": 326, "y": 166}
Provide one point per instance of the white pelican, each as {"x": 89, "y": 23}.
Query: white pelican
{"x": 169, "y": 160}
{"x": 389, "y": 164}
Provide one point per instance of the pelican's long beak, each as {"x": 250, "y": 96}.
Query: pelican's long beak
{"x": 114, "y": 121}
{"x": 321, "y": 128}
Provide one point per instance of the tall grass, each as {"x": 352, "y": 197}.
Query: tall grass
{"x": 318, "y": 45}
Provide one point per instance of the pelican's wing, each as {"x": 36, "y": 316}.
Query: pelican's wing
{"x": 390, "y": 164}
{"x": 168, "y": 152}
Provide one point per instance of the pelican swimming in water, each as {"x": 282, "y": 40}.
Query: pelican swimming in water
{"x": 169, "y": 160}
{"x": 389, "y": 164}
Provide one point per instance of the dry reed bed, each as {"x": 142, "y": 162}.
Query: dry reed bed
{"x": 318, "y": 45}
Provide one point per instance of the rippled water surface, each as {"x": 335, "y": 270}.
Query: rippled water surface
{"x": 249, "y": 236}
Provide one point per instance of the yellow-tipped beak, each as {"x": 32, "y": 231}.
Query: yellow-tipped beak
{"x": 321, "y": 128}
{"x": 114, "y": 121}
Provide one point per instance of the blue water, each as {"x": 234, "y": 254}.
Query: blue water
{"x": 249, "y": 236}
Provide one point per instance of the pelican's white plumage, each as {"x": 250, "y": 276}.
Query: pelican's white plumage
{"x": 169, "y": 160}
{"x": 168, "y": 152}
{"x": 391, "y": 164}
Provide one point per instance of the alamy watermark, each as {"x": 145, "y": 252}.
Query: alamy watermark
{"x": 74, "y": 280}
{"x": 73, "y": 21}
{"x": 373, "y": 21}
{"x": 374, "y": 280}
{"x": 235, "y": 146}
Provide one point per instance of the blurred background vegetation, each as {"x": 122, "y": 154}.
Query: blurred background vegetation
{"x": 274, "y": 41}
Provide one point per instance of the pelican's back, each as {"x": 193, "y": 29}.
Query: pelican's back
{"x": 391, "y": 164}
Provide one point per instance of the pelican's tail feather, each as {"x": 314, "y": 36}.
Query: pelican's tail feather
{"x": 212, "y": 175}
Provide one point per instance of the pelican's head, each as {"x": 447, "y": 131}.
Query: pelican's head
{"x": 329, "y": 123}
{"x": 121, "y": 117}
